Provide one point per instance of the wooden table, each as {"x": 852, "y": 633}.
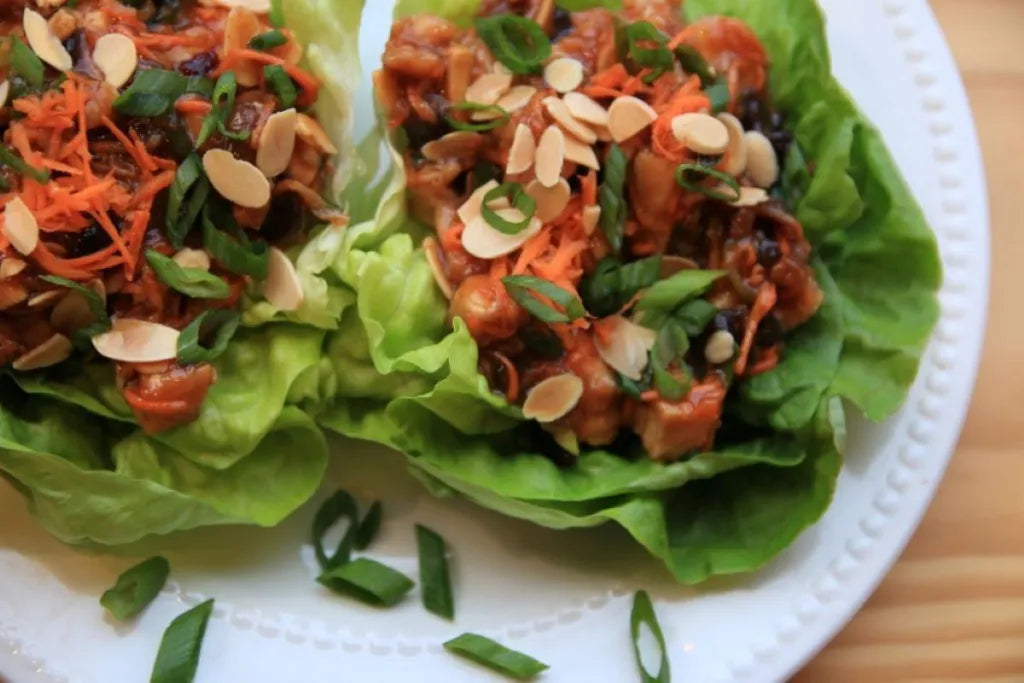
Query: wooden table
{"x": 953, "y": 608}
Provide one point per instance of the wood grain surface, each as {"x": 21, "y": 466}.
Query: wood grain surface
{"x": 953, "y": 608}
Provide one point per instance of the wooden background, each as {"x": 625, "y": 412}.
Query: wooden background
{"x": 953, "y": 608}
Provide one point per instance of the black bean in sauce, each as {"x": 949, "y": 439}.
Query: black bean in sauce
{"x": 769, "y": 332}
{"x": 732, "y": 320}
{"x": 200, "y": 65}
{"x": 562, "y": 23}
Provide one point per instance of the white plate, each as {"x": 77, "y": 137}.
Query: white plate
{"x": 563, "y": 596}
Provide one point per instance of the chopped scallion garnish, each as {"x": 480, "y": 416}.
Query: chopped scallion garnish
{"x": 502, "y": 117}
{"x": 340, "y": 506}
{"x": 495, "y": 656}
{"x": 238, "y": 254}
{"x": 368, "y": 527}
{"x": 19, "y": 165}
{"x": 526, "y": 288}
{"x": 613, "y": 284}
{"x": 435, "y": 582}
{"x": 282, "y": 85}
{"x": 518, "y": 199}
{"x": 647, "y": 47}
{"x": 151, "y": 93}
{"x": 215, "y": 326}
{"x": 178, "y": 657}
{"x": 268, "y": 40}
{"x": 692, "y": 176}
{"x": 192, "y": 282}
{"x": 136, "y": 588}
{"x": 643, "y": 626}
{"x": 611, "y": 198}
{"x": 97, "y": 307}
{"x": 517, "y": 42}
{"x": 368, "y": 581}
{"x": 26, "y": 63}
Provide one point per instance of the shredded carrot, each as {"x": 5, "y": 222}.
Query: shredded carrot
{"x": 687, "y": 99}
{"x": 308, "y": 83}
{"x": 766, "y": 299}
{"x": 192, "y": 105}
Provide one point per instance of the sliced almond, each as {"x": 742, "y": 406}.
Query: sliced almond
{"x": 564, "y": 74}
{"x": 54, "y": 350}
{"x": 237, "y": 181}
{"x": 45, "y": 298}
{"x": 550, "y": 156}
{"x": 44, "y": 42}
{"x": 749, "y": 196}
{"x": 581, "y": 153}
{"x": 432, "y": 250}
{"x": 137, "y": 341}
{"x": 71, "y": 313}
{"x": 591, "y": 218}
{"x": 196, "y": 259}
{"x": 20, "y": 226}
{"x": 240, "y": 27}
{"x": 277, "y": 143}
{"x": 522, "y": 152}
{"x": 735, "y": 163}
{"x": 282, "y": 287}
{"x": 312, "y": 133}
{"x": 560, "y": 112}
{"x": 11, "y": 294}
{"x": 116, "y": 57}
{"x": 762, "y": 163}
{"x": 461, "y": 144}
{"x": 471, "y": 208}
{"x": 483, "y": 241}
{"x": 5, "y": 90}
{"x": 488, "y": 88}
{"x": 10, "y": 266}
{"x": 554, "y": 398}
{"x": 500, "y": 68}
{"x": 514, "y": 100}
{"x": 702, "y": 133}
{"x": 628, "y": 116}
{"x": 551, "y": 201}
{"x": 624, "y": 345}
{"x": 721, "y": 347}
{"x": 586, "y": 109}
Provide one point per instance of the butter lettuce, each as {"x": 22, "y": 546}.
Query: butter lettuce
{"x": 404, "y": 379}
{"x": 70, "y": 443}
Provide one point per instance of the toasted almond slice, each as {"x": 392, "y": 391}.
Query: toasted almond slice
{"x": 45, "y": 298}
{"x": 603, "y": 134}
{"x": 10, "y": 266}
{"x": 483, "y": 241}
{"x": 721, "y": 347}
{"x": 551, "y": 201}
{"x": 460, "y": 144}
{"x": 581, "y": 153}
{"x": 702, "y": 133}
{"x": 564, "y": 74}
{"x": 522, "y": 152}
{"x": 116, "y": 57}
{"x": 240, "y": 27}
{"x": 236, "y": 180}
{"x": 550, "y": 156}
{"x": 500, "y": 68}
{"x": 517, "y": 98}
{"x": 43, "y": 42}
{"x": 586, "y": 109}
{"x": 624, "y": 345}
{"x": 312, "y": 133}
{"x": 735, "y": 163}
{"x": 432, "y": 250}
{"x": 670, "y": 265}
{"x": 749, "y": 196}
{"x": 554, "y": 398}
{"x": 137, "y": 341}
{"x": 277, "y": 143}
{"x": 258, "y": 6}
{"x": 762, "y": 163}
{"x": 71, "y": 313}
{"x": 471, "y": 208}
{"x": 488, "y": 88}
{"x": 196, "y": 259}
{"x": 628, "y": 116}
{"x": 20, "y": 226}
{"x": 54, "y": 350}
{"x": 591, "y": 218}
{"x": 5, "y": 90}
{"x": 560, "y": 113}
{"x": 282, "y": 287}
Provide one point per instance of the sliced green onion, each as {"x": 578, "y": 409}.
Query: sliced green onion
{"x": 136, "y": 588}
{"x": 338, "y": 507}
{"x": 217, "y": 326}
{"x": 483, "y": 173}
{"x": 495, "y": 656}
{"x": 237, "y": 254}
{"x": 178, "y": 657}
{"x": 282, "y": 85}
{"x": 518, "y": 199}
{"x": 192, "y": 282}
{"x": 223, "y": 102}
{"x": 276, "y": 13}
{"x": 368, "y": 581}
{"x": 691, "y": 177}
{"x": 179, "y": 223}
{"x": 142, "y": 104}
{"x": 151, "y": 93}
{"x": 611, "y": 198}
{"x": 482, "y": 126}
{"x": 612, "y": 284}
{"x": 435, "y": 583}
{"x": 670, "y": 346}
{"x": 643, "y": 616}
{"x": 18, "y": 165}
{"x": 666, "y": 296}
{"x": 26, "y": 63}
{"x": 719, "y": 95}
{"x": 199, "y": 85}
{"x": 268, "y": 40}
{"x": 525, "y": 288}
{"x": 640, "y": 36}
{"x": 97, "y": 307}
{"x": 369, "y": 527}
{"x": 693, "y": 62}
{"x": 695, "y": 316}
{"x": 517, "y": 42}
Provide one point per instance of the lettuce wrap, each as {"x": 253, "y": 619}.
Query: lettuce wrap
{"x": 403, "y": 376}
{"x": 70, "y": 444}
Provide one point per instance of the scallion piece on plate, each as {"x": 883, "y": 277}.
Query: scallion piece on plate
{"x": 502, "y": 117}
{"x": 192, "y": 282}
{"x": 282, "y": 85}
{"x": 612, "y": 200}
{"x": 368, "y": 581}
{"x": 217, "y": 327}
{"x": 340, "y": 506}
{"x": 518, "y": 199}
{"x": 692, "y": 176}
{"x": 495, "y": 656}
{"x": 97, "y": 307}
{"x": 648, "y": 641}
{"x": 136, "y": 588}
{"x": 237, "y": 254}
{"x": 525, "y": 289}
{"x": 268, "y": 40}
{"x": 182, "y": 216}
{"x": 368, "y": 527}
{"x": 26, "y": 63}
{"x": 517, "y": 42}
{"x": 435, "y": 582}
{"x": 178, "y": 657}
{"x": 647, "y": 47}
{"x": 18, "y": 165}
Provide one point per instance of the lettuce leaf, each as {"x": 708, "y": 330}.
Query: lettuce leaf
{"x": 70, "y": 443}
